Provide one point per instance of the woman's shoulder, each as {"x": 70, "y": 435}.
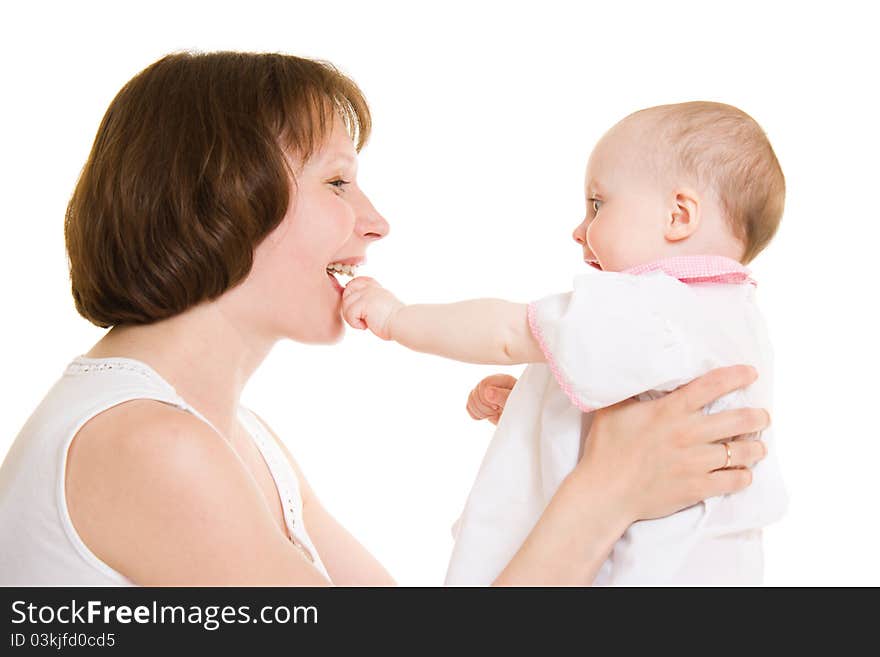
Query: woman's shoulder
{"x": 145, "y": 478}
{"x": 140, "y": 429}
{"x": 133, "y": 454}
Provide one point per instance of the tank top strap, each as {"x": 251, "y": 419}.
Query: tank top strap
{"x": 96, "y": 385}
{"x": 109, "y": 381}
{"x": 286, "y": 482}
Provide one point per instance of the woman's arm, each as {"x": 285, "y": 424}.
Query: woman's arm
{"x": 154, "y": 493}
{"x": 487, "y": 331}
{"x": 348, "y": 562}
{"x": 641, "y": 460}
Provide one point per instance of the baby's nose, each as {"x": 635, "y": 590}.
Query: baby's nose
{"x": 579, "y": 234}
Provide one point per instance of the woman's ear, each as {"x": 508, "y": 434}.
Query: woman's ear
{"x": 684, "y": 217}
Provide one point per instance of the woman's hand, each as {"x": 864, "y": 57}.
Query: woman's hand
{"x": 660, "y": 456}
{"x": 487, "y": 400}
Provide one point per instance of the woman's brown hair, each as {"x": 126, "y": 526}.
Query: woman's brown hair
{"x": 188, "y": 174}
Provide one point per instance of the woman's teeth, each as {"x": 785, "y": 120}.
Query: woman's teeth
{"x": 337, "y": 268}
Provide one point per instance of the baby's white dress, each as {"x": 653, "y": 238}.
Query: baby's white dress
{"x": 640, "y": 333}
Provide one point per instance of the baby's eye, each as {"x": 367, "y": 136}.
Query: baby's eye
{"x": 595, "y": 204}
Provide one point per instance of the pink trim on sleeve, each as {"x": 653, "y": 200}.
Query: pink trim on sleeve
{"x": 687, "y": 269}
{"x": 548, "y": 355}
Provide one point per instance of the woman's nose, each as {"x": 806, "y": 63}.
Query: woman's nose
{"x": 371, "y": 224}
{"x": 580, "y": 233}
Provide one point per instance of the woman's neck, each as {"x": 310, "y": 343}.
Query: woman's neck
{"x": 207, "y": 353}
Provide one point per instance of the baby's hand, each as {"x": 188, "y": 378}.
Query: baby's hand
{"x": 366, "y": 304}
{"x": 487, "y": 400}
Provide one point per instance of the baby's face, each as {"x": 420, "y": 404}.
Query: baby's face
{"x": 626, "y": 205}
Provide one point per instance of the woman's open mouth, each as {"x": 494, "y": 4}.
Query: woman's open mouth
{"x": 335, "y": 269}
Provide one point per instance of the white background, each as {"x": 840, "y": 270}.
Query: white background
{"x": 484, "y": 116}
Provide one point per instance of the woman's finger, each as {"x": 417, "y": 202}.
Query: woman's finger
{"x": 730, "y": 424}
{"x": 725, "y": 482}
{"x": 713, "y": 385}
{"x": 743, "y": 454}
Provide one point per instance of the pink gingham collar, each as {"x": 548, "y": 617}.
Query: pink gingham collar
{"x": 698, "y": 269}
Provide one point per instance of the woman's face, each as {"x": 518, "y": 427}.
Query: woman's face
{"x": 329, "y": 220}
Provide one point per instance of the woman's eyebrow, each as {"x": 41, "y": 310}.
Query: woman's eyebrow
{"x": 340, "y": 158}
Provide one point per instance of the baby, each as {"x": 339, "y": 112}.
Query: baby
{"x": 678, "y": 198}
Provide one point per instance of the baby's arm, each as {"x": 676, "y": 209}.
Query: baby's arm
{"x": 489, "y": 331}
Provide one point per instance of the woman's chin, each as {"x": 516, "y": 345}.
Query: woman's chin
{"x": 337, "y": 336}
{"x": 327, "y": 335}
{"x": 318, "y": 323}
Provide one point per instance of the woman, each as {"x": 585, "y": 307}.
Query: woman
{"x": 220, "y": 190}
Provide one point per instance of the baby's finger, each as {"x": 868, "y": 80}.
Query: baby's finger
{"x": 497, "y": 396}
{"x": 478, "y": 408}
{"x": 352, "y": 287}
{"x": 498, "y": 381}
{"x": 351, "y": 290}
{"x": 351, "y": 300}
{"x": 348, "y": 301}
{"x": 353, "y": 314}
{"x": 475, "y": 413}
{"x": 355, "y": 322}
{"x": 360, "y": 282}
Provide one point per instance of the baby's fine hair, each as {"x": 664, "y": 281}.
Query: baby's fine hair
{"x": 725, "y": 150}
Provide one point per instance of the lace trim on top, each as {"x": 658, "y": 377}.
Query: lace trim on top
{"x": 85, "y": 365}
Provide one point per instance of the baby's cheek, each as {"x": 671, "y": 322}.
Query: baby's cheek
{"x": 615, "y": 245}
{"x": 597, "y": 239}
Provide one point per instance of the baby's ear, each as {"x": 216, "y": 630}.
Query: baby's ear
{"x": 684, "y": 216}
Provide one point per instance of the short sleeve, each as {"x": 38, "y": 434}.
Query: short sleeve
{"x": 615, "y": 336}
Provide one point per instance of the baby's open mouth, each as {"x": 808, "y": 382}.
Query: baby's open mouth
{"x": 594, "y": 263}
{"x": 334, "y": 269}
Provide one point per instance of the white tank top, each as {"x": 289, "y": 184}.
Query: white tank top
{"x": 39, "y": 545}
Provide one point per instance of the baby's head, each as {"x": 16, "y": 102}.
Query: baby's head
{"x": 695, "y": 178}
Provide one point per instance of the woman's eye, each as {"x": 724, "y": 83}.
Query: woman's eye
{"x": 339, "y": 183}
